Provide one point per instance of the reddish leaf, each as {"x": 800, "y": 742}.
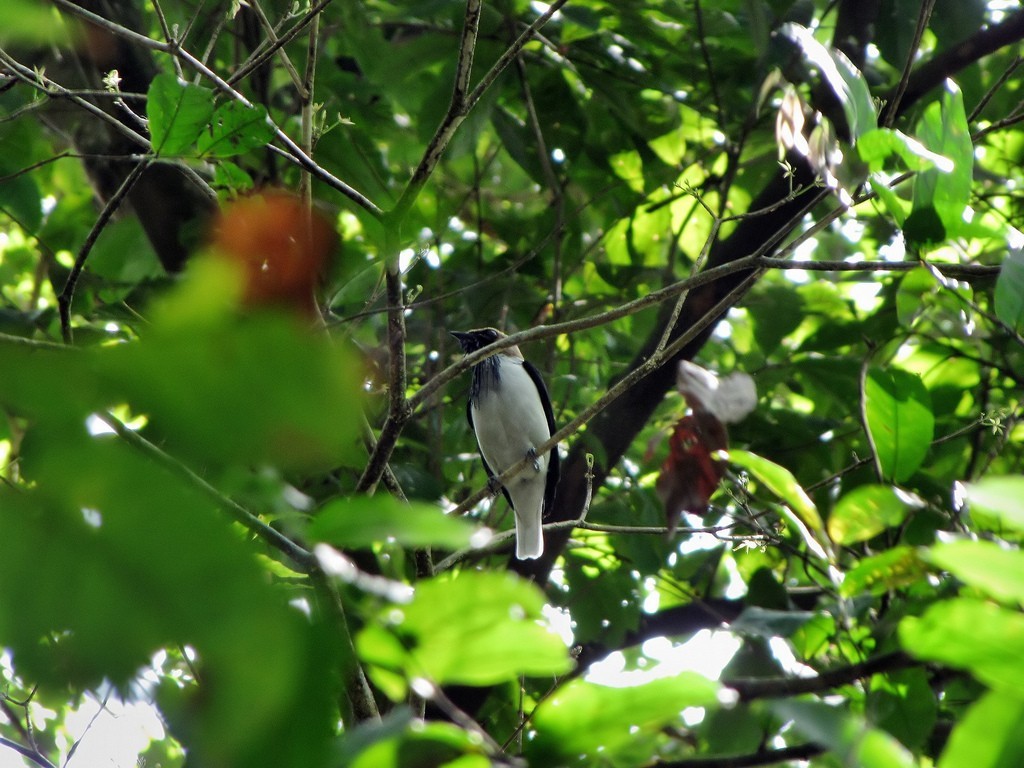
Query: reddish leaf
{"x": 690, "y": 475}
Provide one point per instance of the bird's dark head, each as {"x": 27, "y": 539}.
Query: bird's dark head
{"x": 471, "y": 341}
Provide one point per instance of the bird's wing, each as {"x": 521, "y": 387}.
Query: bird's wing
{"x": 480, "y": 450}
{"x": 553, "y": 468}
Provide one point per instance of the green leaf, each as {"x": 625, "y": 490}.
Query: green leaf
{"x": 235, "y": 129}
{"x": 879, "y": 144}
{"x": 584, "y": 721}
{"x": 782, "y": 483}
{"x": 845, "y": 80}
{"x": 417, "y": 743}
{"x": 990, "y": 735}
{"x": 892, "y": 569}
{"x": 477, "y": 628}
{"x": 19, "y": 190}
{"x": 27, "y": 21}
{"x": 965, "y": 633}
{"x": 903, "y": 703}
{"x": 899, "y": 418}
{"x": 941, "y": 196}
{"x": 154, "y": 566}
{"x": 868, "y": 510}
{"x": 178, "y": 112}
{"x": 895, "y": 206}
{"x": 998, "y": 497}
{"x": 50, "y": 385}
{"x": 762, "y": 622}
{"x": 362, "y": 521}
{"x": 259, "y": 389}
{"x": 843, "y": 732}
{"x": 984, "y": 565}
{"x": 1010, "y": 290}
{"x": 914, "y": 288}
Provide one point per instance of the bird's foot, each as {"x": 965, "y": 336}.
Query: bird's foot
{"x": 494, "y": 486}
{"x": 532, "y": 456}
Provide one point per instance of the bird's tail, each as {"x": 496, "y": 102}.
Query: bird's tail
{"x": 529, "y": 536}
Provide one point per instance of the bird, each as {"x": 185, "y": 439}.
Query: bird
{"x": 509, "y": 411}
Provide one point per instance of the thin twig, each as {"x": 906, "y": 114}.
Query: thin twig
{"x": 999, "y": 83}
{"x": 42, "y": 83}
{"x": 892, "y": 109}
{"x": 462, "y": 103}
{"x": 67, "y": 295}
{"x": 299, "y": 82}
{"x": 551, "y": 179}
{"x": 265, "y": 54}
{"x": 303, "y": 560}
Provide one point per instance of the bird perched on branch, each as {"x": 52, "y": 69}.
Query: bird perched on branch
{"x": 510, "y": 413}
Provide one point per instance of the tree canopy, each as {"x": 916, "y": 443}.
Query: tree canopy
{"x": 238, "y": 481}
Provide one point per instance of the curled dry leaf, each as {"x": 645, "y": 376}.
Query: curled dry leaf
{"x": 691, "y": 472}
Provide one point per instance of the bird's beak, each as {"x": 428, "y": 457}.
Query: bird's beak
{"x": 463, "y": 338}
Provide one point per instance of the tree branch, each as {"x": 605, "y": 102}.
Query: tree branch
{"x": 781, "y": 687}
{"x": 935, "y": 71}
{"x": 304, "y": 561}
{"x": 27, "y": 752}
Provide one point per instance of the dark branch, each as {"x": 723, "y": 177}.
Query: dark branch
{"x": 780, "y": 687}
{"x": 946, "y": 64}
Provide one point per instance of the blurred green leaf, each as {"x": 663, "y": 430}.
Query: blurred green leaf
{"x": 259, "y": 389}
{"x": 895, "y": 206}
{"x": 115, "y": 559}
{"x": 998, "y": 497}
{"x": 941, "y": 194}
{"x": 27, "y": 21}
{"x": 868, "y": 510}
{"x": 985, "y": 565}
{"x": 589, "y": 721}
{"x": 990, "y": 735}
{"x": 52, "y": 385}
{"x": 1009, "y": 297}
{"x": 477, "y": 628}
{"x": 362, "y": 521}
{"x": 844, "y": 733}
{"x": 424, "y": 745}
{"x": 969, "y": 634}
{"x": 892, "y": 569}
{"x": 178, "y": 112}
{"x": 19, "y": 190}
{"x": 903, "y": 703}
{"x": 124, "y": 255}
{"x": 898, "y": 413}
{"x": 235, "y": 129}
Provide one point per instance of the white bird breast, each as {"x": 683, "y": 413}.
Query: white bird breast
{"x": 509, "y": 420}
